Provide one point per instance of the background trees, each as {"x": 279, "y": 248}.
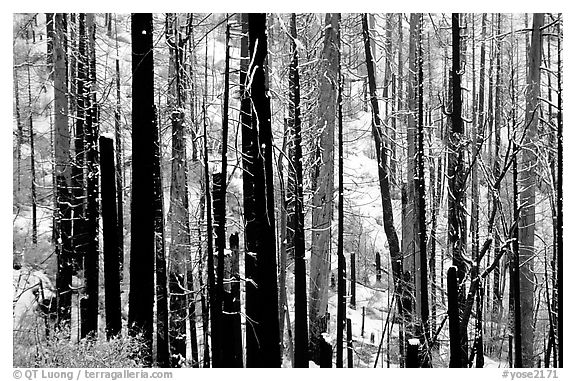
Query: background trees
{"x": 235, "y": 121}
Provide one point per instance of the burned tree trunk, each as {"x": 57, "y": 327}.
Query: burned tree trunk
{"x": 89, "y": 326}
{"x": 322, "y": 212}
{"x": 63, "y": 177}
{"x": 263, "y": 341}
{"x": 297, "y": 205}
{"x": 111, "y": 242}
{"x": 141, "y": 297}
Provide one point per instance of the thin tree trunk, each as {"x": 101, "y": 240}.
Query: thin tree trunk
{"x": 456, "y": 179}
{"x": 50, "y": 34}
{"x": 353, "y": 280}
{"x": 20, "y": 132}
{"x": 560, "y": 206}
{"x": 32, "y": 162}
{"x": 79, "y": 237}
{"x": 383, "y": 178}
{"x": 233, "y": 311}
{"x": 162, "y": 317}
{"x": 341, "y": 306}
{"x": 349, "y": 344}
{"x": 110, "y": 237}
{"x": 456, "y": 355}
{"x": 119, "y": 161}
{"x": 420, "y": 182}
{"x": 297, "y": 201}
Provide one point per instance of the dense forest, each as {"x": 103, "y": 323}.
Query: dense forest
{"x": 287, "y": 190}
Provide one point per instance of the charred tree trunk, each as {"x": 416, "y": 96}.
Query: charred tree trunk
{"x": 78, "y": 176}
{"x": 119, "y": 162}
{"x": 50, "y": 33}
{"x": 110, "y": 237}
{"x": 349, "y": 344}
{"x": 322, "y": 212}
{"x": 162, "y": 318}
{"x": 456, "y": 355}
{"x": 383, "y": 178}
{"x": 141, "y": 297}
{"x": 560, "y": 206}
{"x": 32, "y": 161}
{"x": 353, "y": 280}
{"x": 297, "y": 205}
{"x": 89, "y": 325}
{"x": 264, "y": 349}
{"x": 233, "y": 309}
{"x": 63, "y": 178}
{"x": 421, "y": 202}
{"x": 341, "y": 306}
{"x": 456, "y": 177}
{"x": 20, "y": 131}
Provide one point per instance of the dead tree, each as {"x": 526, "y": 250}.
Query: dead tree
{"x": 141, "y": 297}
{"x": 110, "y": 237}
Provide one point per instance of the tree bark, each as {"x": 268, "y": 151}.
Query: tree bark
{"x": 322, "y": 201}
{"x": 63, "y": 178}
{"x": 297, "y": 205}
{"x": 141, "y": 297}
{"x": 110, "y": 237}
{"x": 91, "y": 261}
{"x": 527, "y": 174}
{"x": 341, "y": 306}
{"x": 264, "y": 350}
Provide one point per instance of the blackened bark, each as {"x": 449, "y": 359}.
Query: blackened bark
{"x": 297, "y": 205}
{"x": 232, "y": 311}
{"x": 162, "y": 318}
{"x": 456, "y": 355}
{"x": 383, "y": 177}
{"x": 213, "y": 302}
{"x": 560, "y": 206}
{"x": 260, "y": 233}
{"x": 50, "y": 29}
{"x": 119, "y": 171}
{"x": 141, "y": 298}
{"x": 91, "y": 261}
{"x": 353, "y": 280}
{"x": 248, "y": 153}
{"x": 20, "y": 131}
{"x": 421, "y": 201}
{"x": 63, "y": 177}
{"x": 32, "y": 162}
{"x": 110, "y": 237}
{"x": 341, "y": 306}
{"x": 78, "y": 177}
{"x": 192, "y": 317}
{"x": 456, "y": 177}
{"x": 378, "y": 267}
{"x": 349, "y": 344}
